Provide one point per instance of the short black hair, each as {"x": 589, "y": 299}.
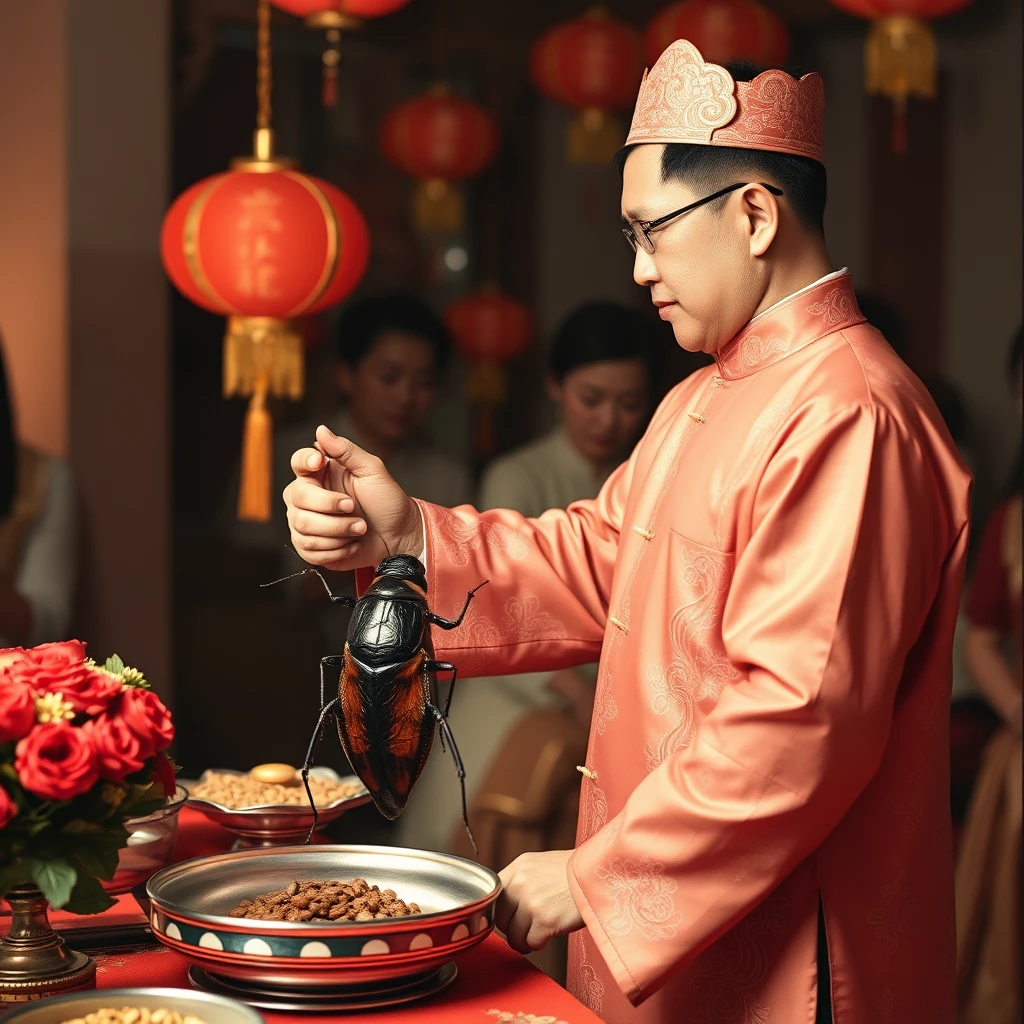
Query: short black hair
{"x": 599, "y": 332}
{"x": 884, "y": 317}
{"x": 803, "y": 181}
{"x": 8, "y": 446}
{"x": 365, "y": 320}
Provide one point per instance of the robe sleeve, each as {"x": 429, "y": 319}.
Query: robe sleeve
{"x": 838, "y": 564}
{"x": 546, "y": 603}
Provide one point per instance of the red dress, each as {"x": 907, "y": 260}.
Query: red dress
{"x": 988, "y": 866}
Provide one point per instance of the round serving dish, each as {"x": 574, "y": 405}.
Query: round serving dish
{"x": 213, "y": 1009}
{"x": 277, "y": 824}
{"x": 150, "y": 845}
{"x": 190, "y": 903}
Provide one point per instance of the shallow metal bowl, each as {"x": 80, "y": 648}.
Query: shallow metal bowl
{"x": 278, "y": 824}
{"x": 211, "y": 1008}
{"x": 150, "y": 845}
{"x": 190, "y": 903}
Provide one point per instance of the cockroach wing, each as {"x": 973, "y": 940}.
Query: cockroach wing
{"x": 385, "y": 727}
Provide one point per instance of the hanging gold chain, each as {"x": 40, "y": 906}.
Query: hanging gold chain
{"x": 263, "y": 70}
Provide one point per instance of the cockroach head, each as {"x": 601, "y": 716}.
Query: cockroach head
{"x": 404, "y": 567}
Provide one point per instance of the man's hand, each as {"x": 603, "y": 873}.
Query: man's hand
{"x": 535, "y": 904}
{"x": 345, "y": 510}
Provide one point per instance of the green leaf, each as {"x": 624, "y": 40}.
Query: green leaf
{"x": 88, "y": 897}
{"x": 98, "y": 855}
{"x": 114, "y": 665}
{"x": 55, "y": 877}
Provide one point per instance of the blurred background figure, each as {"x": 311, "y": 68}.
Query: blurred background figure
{"x": 392, "y": 351}
{"x": 988, "y": 871}
{"x": 599, "y": 379}
{"x": 37, "y": 537}
{"x": 391, "y": 354}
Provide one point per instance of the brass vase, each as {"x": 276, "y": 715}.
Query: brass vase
{"x": 34, "y": 961}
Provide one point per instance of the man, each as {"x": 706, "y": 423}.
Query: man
{"x": 772, "y": 582}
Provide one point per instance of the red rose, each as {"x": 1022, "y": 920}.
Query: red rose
{"x": 61, "y": 668}
{"x": 56, "y": 761}
{"x": 145, "y": 714}
{"x": 163, "y": 772}
{"x": 8, "y": 808}
{"x": 17, "y": 708}
{"x": 119, "y": 752}
{"x": 8, "y": 655}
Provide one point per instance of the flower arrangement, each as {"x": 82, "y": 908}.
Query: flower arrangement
{"x": 81, "y": 752}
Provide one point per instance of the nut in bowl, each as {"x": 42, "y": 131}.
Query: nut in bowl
{"x": 268, "y": 806}
{"x": 191, "y": 907}
{"x": 135, "y": 1006}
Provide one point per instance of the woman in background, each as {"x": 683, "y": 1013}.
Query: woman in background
{"x": 599, "y": 380}
{"x": 37, "y": 538}
{"x": 989, "y": 865}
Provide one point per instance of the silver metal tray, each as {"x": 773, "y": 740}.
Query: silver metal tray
{"x": 278, "y": 824}
{"x": 190, "y": 903}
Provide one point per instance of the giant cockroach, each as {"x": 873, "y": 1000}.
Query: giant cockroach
{"x": 386, "y": 706}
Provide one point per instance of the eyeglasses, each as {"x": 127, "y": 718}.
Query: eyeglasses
{"x": 647, "y": 226}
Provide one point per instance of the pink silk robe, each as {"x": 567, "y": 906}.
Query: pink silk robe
{"x": 771, "y": 583}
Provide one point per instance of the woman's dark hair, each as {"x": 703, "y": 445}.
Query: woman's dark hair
{"x": 803, "y": 181}
{"x": 8, "y": 445}
{"x": 600, "y": 332}
{"x": 365, "y": 320}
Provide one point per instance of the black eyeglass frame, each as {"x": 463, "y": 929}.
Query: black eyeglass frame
{"x": 646, "y": 226}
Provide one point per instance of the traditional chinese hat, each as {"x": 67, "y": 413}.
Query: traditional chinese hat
{"x": 685, "y": 99}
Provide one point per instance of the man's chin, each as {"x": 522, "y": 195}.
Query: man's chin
{"x": 687, "y": 339}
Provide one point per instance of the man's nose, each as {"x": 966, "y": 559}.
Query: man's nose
{"x": 645, "y": 273}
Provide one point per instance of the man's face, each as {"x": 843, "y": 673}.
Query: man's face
{"x": 391, "y": 388}
{"x": 702, "y": 274}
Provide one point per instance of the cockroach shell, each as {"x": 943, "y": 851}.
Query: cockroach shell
{"x": 275, "y": 774}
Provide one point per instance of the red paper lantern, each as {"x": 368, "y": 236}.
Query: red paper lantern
{"x": 352, "y": 8}
{"x": 489, "y": 324}
{"x": 899, "y": 53}
{"x": 332, "y": 16}
{"x": 723, "y": 31}
{"x": 262, "y": 244}
{"x": 489, "y": 327}
{"x": 439, "y": 139}
{"x": 592, "y": 64}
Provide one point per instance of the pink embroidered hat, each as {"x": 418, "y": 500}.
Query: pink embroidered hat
{"x": 685, "y": 99}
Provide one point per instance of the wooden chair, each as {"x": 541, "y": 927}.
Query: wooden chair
{"x": 529, "y": 801}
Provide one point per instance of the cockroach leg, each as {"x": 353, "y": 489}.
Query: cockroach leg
{"x": 459, "y": 769}
{"x": 325, "y": 712}
{"x": 454, "y": 623}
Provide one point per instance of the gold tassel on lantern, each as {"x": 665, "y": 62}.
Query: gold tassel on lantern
{"x": 437, "y": 207}
{"x": 900, "y": 61}
{"x": 262, "y": 356}
{"x": 257, "y": 459}
{"x": 594, "y": 138}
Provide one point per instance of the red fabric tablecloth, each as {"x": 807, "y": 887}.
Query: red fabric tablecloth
{"x": 494, "y": 983}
